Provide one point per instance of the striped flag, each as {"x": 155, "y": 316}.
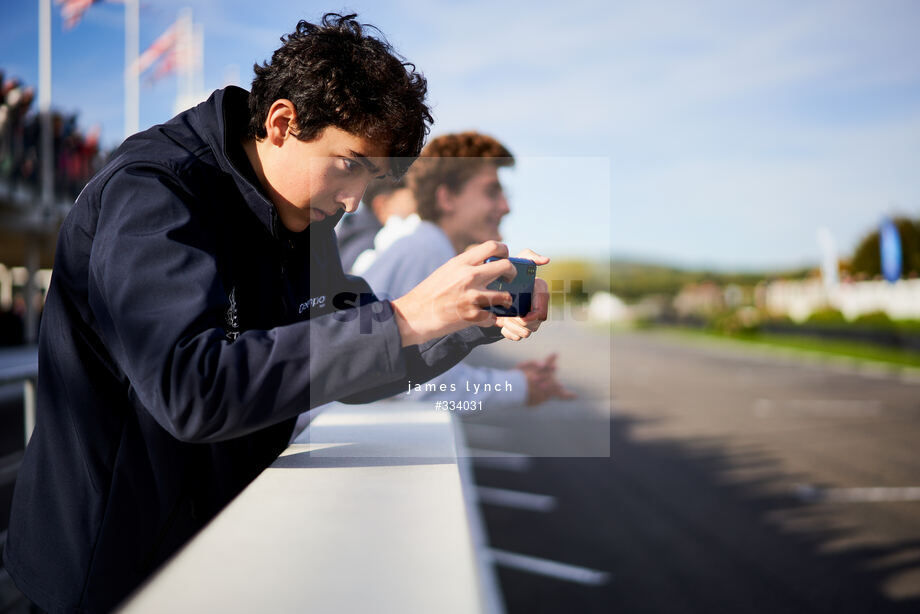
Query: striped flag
{"x": 167, "y": 65}
{"x": 165, "y": 45}
{"x": 72, "y": 11}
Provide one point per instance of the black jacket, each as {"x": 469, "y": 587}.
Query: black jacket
{"x": 183, "y": 332}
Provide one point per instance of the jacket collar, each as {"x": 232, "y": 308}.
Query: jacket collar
{"x": 223, "y": 119}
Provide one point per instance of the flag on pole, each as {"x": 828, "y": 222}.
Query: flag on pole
{"x": 890, "y": 248}
{"x": 164, "y": 46}
{"x": 167, "y": 65}
{"x": 72, "y": 11}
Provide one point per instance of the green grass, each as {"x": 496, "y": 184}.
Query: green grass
{"x": 830, "y": 347}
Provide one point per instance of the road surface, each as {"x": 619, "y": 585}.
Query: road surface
{"x": 736, "y": 481}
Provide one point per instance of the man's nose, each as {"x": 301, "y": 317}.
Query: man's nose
{"x": 350, "y": 201}
{"x": 350, "y": 197}
{"x": 503, "y": 206}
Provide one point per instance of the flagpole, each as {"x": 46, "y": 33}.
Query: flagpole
{"x": 132, "y": 78}
{"x": 199, "y": 61}
{"x": 33, "y": 239}
{"x": 184, "y": 44}
{"x": 44, "y": 98}
{"x": 189, "y": 35}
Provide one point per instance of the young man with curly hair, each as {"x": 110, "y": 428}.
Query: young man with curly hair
{"x": 460, "y": 199}
{"x": 198, "y": 305}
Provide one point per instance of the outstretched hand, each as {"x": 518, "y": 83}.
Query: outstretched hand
{"x": 542, "y": 384}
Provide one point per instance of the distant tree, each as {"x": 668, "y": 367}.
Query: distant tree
{"x": 868, "y": 261}
{"x": 574, "y": 280}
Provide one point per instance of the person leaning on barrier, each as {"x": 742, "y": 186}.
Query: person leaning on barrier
{"x": 198, "y": 305}
{"x": 461, "y": 201}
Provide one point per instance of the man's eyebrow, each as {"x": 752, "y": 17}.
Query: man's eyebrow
{"x": 366, "y": 163}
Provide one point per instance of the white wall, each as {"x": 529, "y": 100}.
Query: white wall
{"x": 799, "y": 299}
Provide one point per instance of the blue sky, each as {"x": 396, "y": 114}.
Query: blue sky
{"x": 703, "y": 134}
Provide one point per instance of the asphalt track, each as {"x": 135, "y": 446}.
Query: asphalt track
{"x": 736, "y": 481}
{"x": 711, "y": 479}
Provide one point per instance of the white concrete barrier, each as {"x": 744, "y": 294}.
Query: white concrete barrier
{"x": 372, "y": 515}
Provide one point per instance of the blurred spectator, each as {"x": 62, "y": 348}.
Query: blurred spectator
{"x": 397, "y": 212}
{"x": 76, "y": 157}
{"x": 12, "y": 322}
{"x": 384, "y": 200}
{"x": 11, "y": 328}
{"x": 461, "y": 201}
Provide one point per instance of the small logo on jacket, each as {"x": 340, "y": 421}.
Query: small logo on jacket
{"x": 316, "y": 301}
{"x": 233, "y": 318}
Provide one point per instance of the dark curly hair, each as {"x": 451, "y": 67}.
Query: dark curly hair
{"x": 452, "y": 160}
{"x": 336, "y": 74}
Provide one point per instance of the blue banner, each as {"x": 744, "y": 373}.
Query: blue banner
{"x": 890, "y": 246}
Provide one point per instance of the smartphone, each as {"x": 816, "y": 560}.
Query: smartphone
{"x": 521, "y": 288}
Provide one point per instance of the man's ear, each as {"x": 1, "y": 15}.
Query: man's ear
{"x": 443, "y": 199}
{"x": 281, "y": 121}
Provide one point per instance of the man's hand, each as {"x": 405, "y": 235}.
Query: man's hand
{"x": 520, "y": 327}
{"x": 542, "y": 384}
{"x": 453, "y": 297}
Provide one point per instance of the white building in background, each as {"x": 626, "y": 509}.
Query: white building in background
{"x": 705, "y": 298}
{"x": 799, "y": 299}
{"x": 796, "y": 299}
{"x": 606, "y": 307}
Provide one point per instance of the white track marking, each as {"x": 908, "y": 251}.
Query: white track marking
{"x": 515, "y": 499}
{"x": 495, "y": 459}
{"x": 877, "y": 494}
{"x": 553, "y": 569}
{"x": 824, "y": 408}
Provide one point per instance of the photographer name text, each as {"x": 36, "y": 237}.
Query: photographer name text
{"x": 470, "y": 387}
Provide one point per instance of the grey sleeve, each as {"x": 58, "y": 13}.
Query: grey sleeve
{"x": 398, "y": 270}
